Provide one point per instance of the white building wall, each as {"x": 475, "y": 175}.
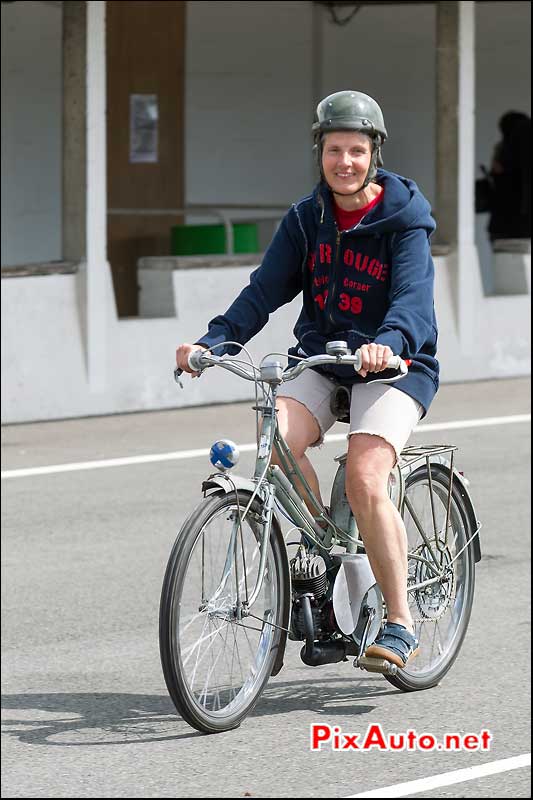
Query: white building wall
{"x": 249, "y": 108}
{"x": 249, "y": 79}
{"x": 44, "y": 361}
{"x": 31, "y": 132}
{"x": 249, "y": 101}
{"x": 44, "y": 358}
{"x": 389, "y": 53}
{"x": 249, "y": 105}
{"x": 268, "y": 54}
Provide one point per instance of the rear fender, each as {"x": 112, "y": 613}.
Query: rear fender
{"x": 460, "y": 481}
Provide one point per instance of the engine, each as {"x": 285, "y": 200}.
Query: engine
{"x": 310, "y": 579}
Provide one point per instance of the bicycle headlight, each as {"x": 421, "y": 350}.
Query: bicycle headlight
{"x": 271, "y": 372}
{"x": 224, "y": 454}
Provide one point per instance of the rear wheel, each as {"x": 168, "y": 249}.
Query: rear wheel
{"x": 217, "y": 654}
{"x": 441, "y": 610}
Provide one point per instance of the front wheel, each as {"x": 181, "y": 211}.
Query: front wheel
{"x": 217, "y": 654}
{"x": 440, "y": 609}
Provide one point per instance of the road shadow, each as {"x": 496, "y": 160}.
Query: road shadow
{"x": 91, "y": 719}
{"x": 331, "y": 695}
{"x": 98, "y": 719}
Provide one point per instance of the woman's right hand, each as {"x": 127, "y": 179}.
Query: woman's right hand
{"x": 182, "y": 356}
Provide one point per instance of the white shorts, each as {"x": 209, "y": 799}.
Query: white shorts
{"x": 377, "y": 409}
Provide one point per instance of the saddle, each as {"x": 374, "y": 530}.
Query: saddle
{"x": 340, "y": 403}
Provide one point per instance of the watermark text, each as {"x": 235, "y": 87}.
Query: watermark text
{"x": 332, "y": 737}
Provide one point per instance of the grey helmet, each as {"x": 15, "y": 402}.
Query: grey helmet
{"x": 351, "y": 111}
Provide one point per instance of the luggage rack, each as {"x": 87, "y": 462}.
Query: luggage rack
{"x": 414, "y": 453}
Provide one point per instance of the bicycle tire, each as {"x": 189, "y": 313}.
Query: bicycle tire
{"x": 419, "y": 675}
{"x": 214, "y": 614}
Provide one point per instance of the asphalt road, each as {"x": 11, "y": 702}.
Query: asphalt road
{"x": 85, "y": 711}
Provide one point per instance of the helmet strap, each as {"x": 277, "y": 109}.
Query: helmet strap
{"x": 349, "y": 194}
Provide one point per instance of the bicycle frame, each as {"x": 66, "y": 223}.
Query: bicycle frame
{"x": 274, "y": 484}
{"x": 288, "y": 482}
{"x": 284, "y": 486}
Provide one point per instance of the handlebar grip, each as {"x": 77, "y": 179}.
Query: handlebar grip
{"x": 194, "y": 363}
{"x": 394, "y": 362}
{"x": 195, "y": 360}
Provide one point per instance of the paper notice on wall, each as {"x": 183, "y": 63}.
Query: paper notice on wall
{"x": 144, "y": 116}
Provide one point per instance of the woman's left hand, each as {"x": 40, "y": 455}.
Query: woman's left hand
{"x": 375, "y": 358}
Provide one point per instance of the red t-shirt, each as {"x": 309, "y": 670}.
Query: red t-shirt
{"x": 349, "y": 219}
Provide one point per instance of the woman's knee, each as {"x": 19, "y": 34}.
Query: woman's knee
{"x": 370, "y": 460}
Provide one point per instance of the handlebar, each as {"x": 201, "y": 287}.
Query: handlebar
{"x": 199, "y": 360}
{"x": 272, "y": 372}
{"x": 355, "y": 360}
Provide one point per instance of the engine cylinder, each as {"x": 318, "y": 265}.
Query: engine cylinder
{"x": 308, "y": 574}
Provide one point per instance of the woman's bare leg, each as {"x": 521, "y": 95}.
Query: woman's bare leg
{"x": 370, "y": 460}
{"x": 300, "y": 429}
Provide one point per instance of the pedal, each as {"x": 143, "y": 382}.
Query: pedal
{"x": 380, "y": 665}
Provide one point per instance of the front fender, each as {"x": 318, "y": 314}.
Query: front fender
{"x": 228, "y": 483}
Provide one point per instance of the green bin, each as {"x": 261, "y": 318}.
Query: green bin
{"x": 199, "y": 240}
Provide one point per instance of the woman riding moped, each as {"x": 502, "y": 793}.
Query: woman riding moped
{"x": 358, "y": 248}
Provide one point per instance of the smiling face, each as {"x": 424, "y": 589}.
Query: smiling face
{"x": 346, "y": 159}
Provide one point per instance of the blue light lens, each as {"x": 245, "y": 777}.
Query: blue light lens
{"x": 224, "y": 454}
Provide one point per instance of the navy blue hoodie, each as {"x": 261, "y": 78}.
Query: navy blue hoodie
{"x": 371, "y": 283}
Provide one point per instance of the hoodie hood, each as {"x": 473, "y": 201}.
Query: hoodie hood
{"x": 403, "y": 207}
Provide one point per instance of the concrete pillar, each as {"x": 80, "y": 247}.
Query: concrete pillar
{"x": 469, "y": 275}
{"x": 98, "y": 272}
{"x": 455, "y": 169}
{"x": 84, "y": 174}
{"x": 317, "y": 72}
{"x": 317, "y": 54}
{"x": 447, "y": 76}
{"x": 74, "y": 135}
{"x": 467, "y": 123}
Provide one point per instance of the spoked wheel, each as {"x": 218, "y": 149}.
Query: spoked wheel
{"x": 217, "y": 654}
{"x": 440, "y": 609}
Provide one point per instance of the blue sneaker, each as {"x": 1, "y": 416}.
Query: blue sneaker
{"x": 395, "y": 644}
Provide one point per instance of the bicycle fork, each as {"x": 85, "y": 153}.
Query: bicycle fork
{"x": 244, "y": 600}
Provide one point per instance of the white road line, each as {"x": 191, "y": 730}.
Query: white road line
{"x": 448, "y": 778}
{"x": 180, "y": 455}
{"x": 454, "y": 425}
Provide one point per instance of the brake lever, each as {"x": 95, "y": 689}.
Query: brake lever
{"x": 177, "y": 373}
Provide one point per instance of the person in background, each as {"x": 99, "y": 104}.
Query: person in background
{"x": 510, "y": 177}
